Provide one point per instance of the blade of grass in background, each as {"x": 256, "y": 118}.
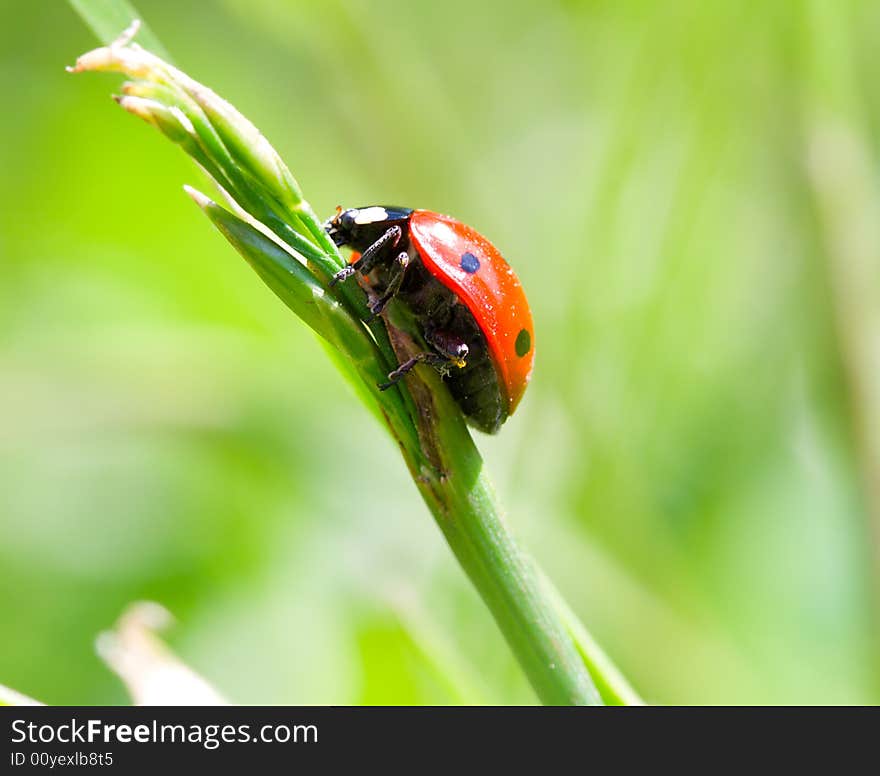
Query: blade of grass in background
{"x": 841, "y": 167}
{"x": 107, "y": 17}
{"x": 686, "y": 465}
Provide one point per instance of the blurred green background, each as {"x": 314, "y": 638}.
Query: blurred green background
{"x": 688, "y": 192}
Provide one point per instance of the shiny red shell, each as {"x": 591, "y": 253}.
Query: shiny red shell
{"x": 471, "y": 267}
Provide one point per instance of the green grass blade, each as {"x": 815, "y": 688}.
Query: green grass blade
{"x": 610, "y": 682}
{"x": 561, "y": 661}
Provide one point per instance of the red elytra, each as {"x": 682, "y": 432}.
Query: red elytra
{"x": 492, "y": 293}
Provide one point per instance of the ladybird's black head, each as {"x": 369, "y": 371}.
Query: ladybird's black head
{"x": 359, "y": 227}
{"x": 340, "y": 227}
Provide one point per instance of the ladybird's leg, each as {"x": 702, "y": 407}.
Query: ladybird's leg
{"x": 378, "y": 251}
{"x": 400, "y": 265}
{"x": 371, "y": 256}
{"x": 453, "y": 351}
{"x": 394, "y": 377}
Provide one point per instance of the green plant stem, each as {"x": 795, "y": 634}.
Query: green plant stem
{"x": 469, "y": 516}
{"x": 610, "y": 682}
{"x": 559, "y": 658}
{"x": 448, "y": 470}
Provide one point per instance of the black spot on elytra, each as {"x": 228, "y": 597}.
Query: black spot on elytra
{"x": 469, "y": 263}
{"x": 523, "y": 343}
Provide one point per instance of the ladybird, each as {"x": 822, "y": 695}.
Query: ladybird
{"x": 465, "y": 299}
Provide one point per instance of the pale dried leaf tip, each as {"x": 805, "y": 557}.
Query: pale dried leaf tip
{"x": 126, "y": 37}
{"x": 152, "y": 673}
{"x": 120, "y": 55}
{"x": 196, "y": 196}
{"x": 137, "y": 106}
{"x": 9, "y": 697}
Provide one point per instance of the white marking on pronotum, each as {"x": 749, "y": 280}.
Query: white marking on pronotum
{"x": 370, "y": 215}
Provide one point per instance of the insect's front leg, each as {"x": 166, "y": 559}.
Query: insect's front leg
{"x": 372, "y": 256}
{"x": 398, "y": 273}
